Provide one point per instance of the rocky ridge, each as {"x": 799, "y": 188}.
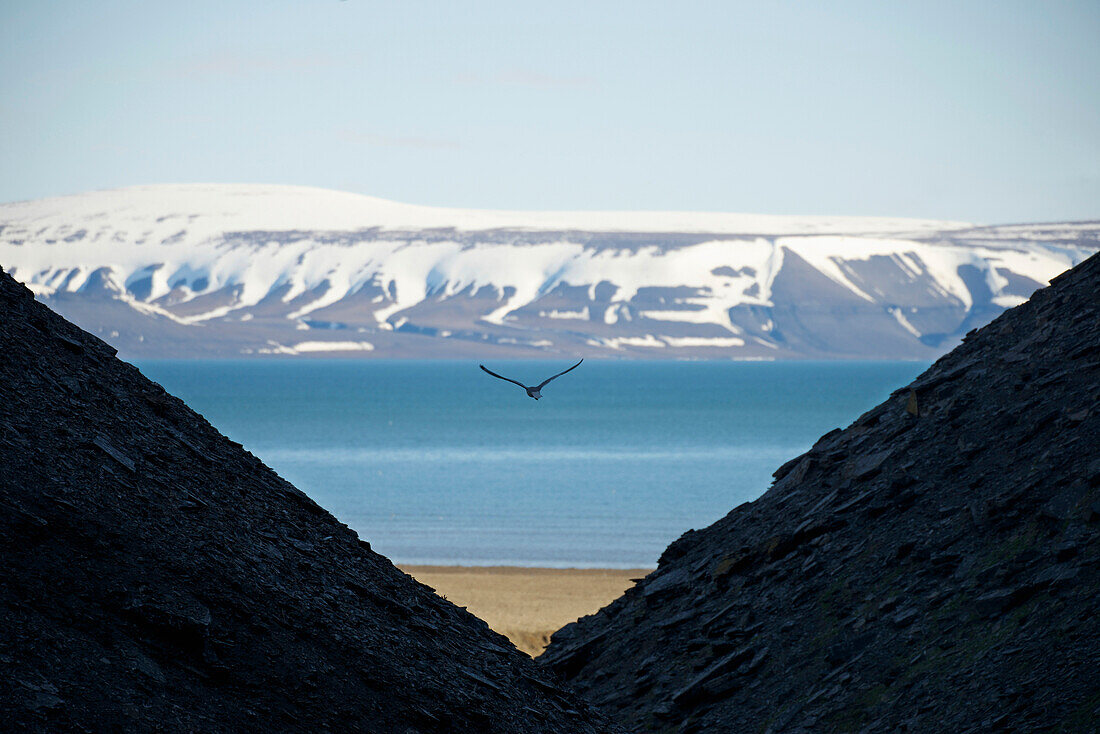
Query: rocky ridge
{"x": 933, "y": 567}
{"x": 154, "y": 576}
{"x": 221, "y": 270}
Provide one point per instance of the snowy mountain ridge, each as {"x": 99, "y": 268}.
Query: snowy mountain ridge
{"x": 208, "y": 209}
{"x": 226, "y": 270}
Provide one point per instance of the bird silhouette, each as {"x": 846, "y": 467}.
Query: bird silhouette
{"x": 536, "y": 391}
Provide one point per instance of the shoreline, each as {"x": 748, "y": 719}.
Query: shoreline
{"x": 527, "y": 604}
{"x": 458, "y": 569}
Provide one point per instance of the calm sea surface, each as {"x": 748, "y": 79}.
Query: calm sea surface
{"x": 436, "y": 462}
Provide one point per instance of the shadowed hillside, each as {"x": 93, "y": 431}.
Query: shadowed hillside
{"x": 933, "y": 567}
{"x": 154, "y": 576}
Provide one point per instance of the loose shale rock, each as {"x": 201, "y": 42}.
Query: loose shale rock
{"x": 933, "y": 567}
{"x": 154, "y": 576}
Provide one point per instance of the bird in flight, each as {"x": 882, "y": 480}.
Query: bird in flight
{"x": 534, "y": 392}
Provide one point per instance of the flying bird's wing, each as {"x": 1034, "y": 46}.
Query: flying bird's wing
{"x": 543, "y": 383}
{"x": 502, "y": 377}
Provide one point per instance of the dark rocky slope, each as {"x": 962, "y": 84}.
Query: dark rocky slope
{"x": 154, "y": 576}
{"x": 933, "y": 567}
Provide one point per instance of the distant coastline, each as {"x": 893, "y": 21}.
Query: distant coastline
{"x": 186, "y": 271}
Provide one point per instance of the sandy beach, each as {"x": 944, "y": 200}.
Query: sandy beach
{"x": 527, "y": 604}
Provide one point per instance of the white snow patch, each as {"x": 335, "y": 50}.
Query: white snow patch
{"x": 900, "y": 318}
{"x": 1008, "y": 301}
{"x": 275, "y": 348}
{"x": 703, "y": 341}
{"x": 702, "y": 316}
{"x": 618, "y": 342}
{"x": 333, "y": 347}
{"x": 555, "y": 314}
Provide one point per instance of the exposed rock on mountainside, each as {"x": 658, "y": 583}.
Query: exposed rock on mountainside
{"x": 231, "y": 270}
{"x": 933, "y": 567}
{"x": 154, "y": 576}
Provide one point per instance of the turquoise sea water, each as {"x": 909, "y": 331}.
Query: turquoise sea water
{"x": 437, "y": 462}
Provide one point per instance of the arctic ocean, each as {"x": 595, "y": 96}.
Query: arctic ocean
{"x": 435, "y": 462}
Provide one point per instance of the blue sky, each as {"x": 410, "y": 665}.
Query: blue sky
{"x": 982, "y": 111}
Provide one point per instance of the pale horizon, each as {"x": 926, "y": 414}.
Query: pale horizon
{"x": 985, "y": 112}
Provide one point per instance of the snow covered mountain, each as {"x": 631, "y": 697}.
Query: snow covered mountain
{"x": 232, "y": 270}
